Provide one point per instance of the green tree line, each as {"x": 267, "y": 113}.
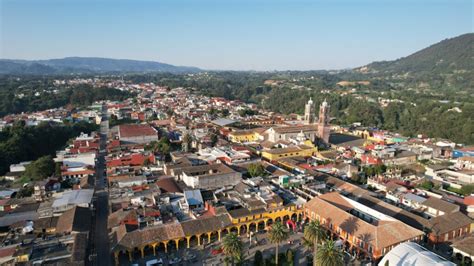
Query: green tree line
{"x": 26, "y": 143}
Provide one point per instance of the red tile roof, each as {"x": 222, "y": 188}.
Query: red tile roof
{"x": 136, "y": 159}
{"x": 136, "y": 130}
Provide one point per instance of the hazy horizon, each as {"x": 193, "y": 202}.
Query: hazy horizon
{"x": 245, "y": 35}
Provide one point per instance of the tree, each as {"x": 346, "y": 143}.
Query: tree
{"x": 169, "y": 112}
{"x": 162, "y": 146}
{"x": 315, "y": 233}
{"x": 57, "y": 169}
{"x": 258, "y": 259}
{"x": 25, "y": 192}
{"x": 186, "y": 143}
{"x": 214, "y": 139}
{"x": 329, "y": 255}
{"x": 427, "y": 184}
{"x": 27, "y": 143}
{"x": 146, "y": 162}
{"x": 278, "y": 234}
{"x": 247, "y": 112}
{"x": 225, "y": 112}
{"x": 467, "y": 190}
{"x": 232, "y": 246}
{"x": 40, "y": 169}
{"x": 256, "y": 169}
{"x": 213, "y": 112}
{"x": 290, "y": 257}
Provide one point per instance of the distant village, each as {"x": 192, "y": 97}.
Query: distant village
{"x": 182, "y": 170}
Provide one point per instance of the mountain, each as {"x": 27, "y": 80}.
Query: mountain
{"x": 87, "y": 65}
{"x": 450, "y": 55}
{"x": 447, "y": 65}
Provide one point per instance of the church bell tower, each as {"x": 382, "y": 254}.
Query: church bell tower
{"x": 309, "y": 113}
{"x": 323, "y": 124}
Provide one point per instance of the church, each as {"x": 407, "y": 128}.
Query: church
{"x": 312, "y": 130}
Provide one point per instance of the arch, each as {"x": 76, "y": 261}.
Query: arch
{"x": 234, "y": 229}
{"x": 214, "y": 237}
{"x": 278, "y": 219}
{"x": 224, "y": 232}
{"x": 467, "y": 260}
{"x": 252, "y": 227}
{"x": 193, "y": 241}
{"x": 269, "y": 222}
{"x": 148, "y": 250}
{"x": 260, "y": 226}
{"x": 294, "y": 217}
{"x": 122, "y": 257}
{"x": 286, "y": 218}
{"x": 243, "y": 229}
{"x": 181, "y": 243}
{"x": 159, "y": 247}
{"x": 135, "y": 253}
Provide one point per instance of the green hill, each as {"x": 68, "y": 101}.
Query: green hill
{"x": 447, "y": 64}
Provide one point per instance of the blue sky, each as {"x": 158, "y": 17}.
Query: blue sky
{"x": 231, "y": 34}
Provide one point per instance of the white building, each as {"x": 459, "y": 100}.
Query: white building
{"x": 412, "y": 254}
{"x": 68, "y": 199}
{"x": 212, "y": 176}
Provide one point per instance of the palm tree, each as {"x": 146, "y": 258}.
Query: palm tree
{"x": 329, "y": 255}
{"x": 315, "y": 233}
{"x": 232, "y": 246}
{"x": 277, "y": 235}
{"x": 307, "y": 244}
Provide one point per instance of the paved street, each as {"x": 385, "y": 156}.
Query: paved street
{"x": 100, "y": 235}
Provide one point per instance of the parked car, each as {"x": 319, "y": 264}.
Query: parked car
{"x": 154, "y": 262}
{"x": 216, "y": 251}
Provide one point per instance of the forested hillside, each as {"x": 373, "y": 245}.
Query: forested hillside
{"x": 447, "y": 65}
{"x": 24, "y": 143}
{"x": 30, "y": 94}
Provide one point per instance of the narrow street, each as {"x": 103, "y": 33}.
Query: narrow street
{"x": 101, "y": 254}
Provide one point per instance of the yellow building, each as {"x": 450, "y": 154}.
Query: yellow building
{"x": 242, "y": 136}
{"x": 196, "y": 232}
{"x": 304, "y": 150}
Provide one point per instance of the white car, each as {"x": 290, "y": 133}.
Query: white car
{"x": 154, "y": 262}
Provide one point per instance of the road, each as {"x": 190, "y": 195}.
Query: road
{"x": 101, "y": 256}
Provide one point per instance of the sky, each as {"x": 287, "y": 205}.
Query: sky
{"x": 231, "y": 34}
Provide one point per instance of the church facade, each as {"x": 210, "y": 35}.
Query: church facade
{"x": 312, "y": 130}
